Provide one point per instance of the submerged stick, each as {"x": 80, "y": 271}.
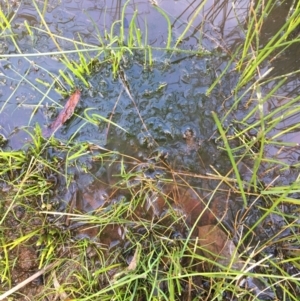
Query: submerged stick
{"x": 66, "y": 113}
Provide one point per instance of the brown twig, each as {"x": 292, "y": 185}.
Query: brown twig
{"x": 28, "y": 280}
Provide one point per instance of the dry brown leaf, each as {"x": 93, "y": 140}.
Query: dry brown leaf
{"x": 59, "y": 292}
{"x": 135, "y": 259}
{"x": 195, "y": 207}
{"x": 216, "y": 245}
{"x": 65, "y": 114}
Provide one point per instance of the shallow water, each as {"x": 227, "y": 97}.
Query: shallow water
{"x": 25, "y": 102}
{"x": 22, "y": 101}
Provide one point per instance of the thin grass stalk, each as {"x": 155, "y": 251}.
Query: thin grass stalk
{"x": 274, "y": 43}
{"x": 90, "y": 47}
{"x": 138, "y": 35}
{"x": 219, "y": 78}
{"x": 122, "y": 35}
{"x": 130, "y": 40}
{"x": 5, "y": 274}
{"x": 273, "y": 207}
{"x": 67, "y": 77}
{"x": 47, "y": 28}
{"x": 44, "y": 8}
{"x": 195, "y": 15}
{"x": 169, "y": 39}
{"x": 230, "y": 155}
{"x": 253, "y": 29}
{"x": 96, "y": 29}
{"x": 19, "y": 190}
{"x": 266, "y": 98}
{"x": 23, "y": 77}
{"x": 146, "y": 44}
{"x": 261, "y": 137}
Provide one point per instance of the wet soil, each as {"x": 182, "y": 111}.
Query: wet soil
{"x": 25, "y": 256}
